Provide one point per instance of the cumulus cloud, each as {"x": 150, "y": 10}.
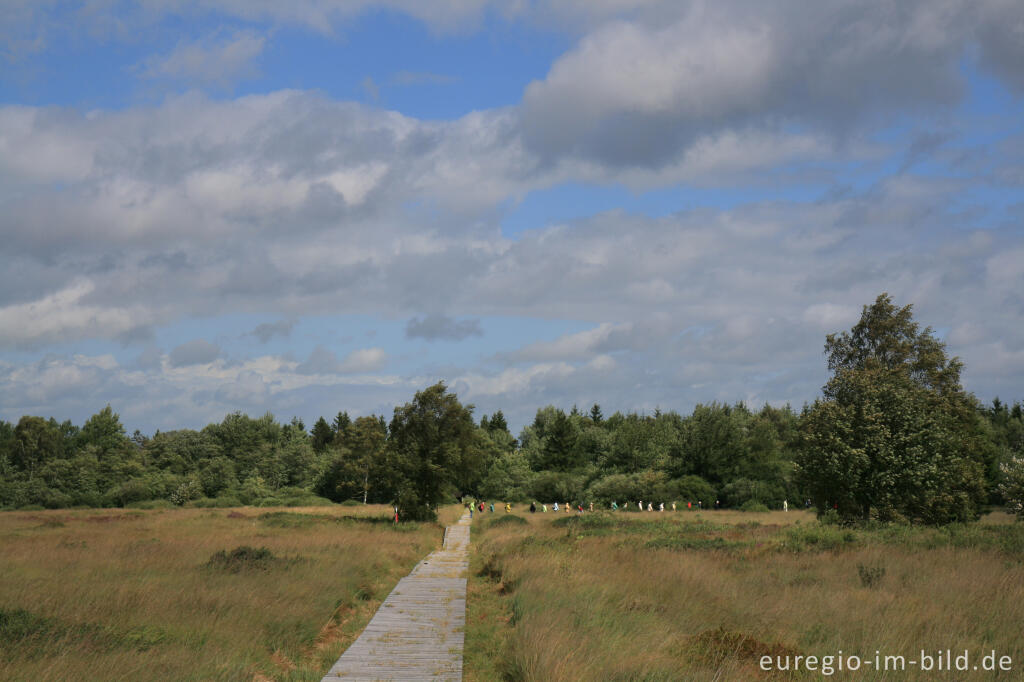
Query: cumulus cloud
{"x": 637, "y": 92}
{"x": 195, "y": 352}
{"x": 441, "y": 327}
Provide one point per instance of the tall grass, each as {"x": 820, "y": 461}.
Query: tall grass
{"x": 677, "y": 597}
{"x": 210, "y": 594}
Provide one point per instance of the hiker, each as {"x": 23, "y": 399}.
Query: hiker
{"x": 640, "y": 504}
{"x": 555, "y": 507}
{"x": 580, "y": 508}
{"x": 591, "y": 506}
{"x": 661, "y": 506}
{"x": 470, "y": 512}
{"x": 673, "y": 506}
{"x": 492, "y": 507}
{"x": 689, "y": 505}
{"x": 718, "y": 504}
{"x": 544, "y": 508}
{"x": 567, "y": 508}
{"x": 508, "y": 508}
{"x": 533, "y": 507}
{"x": 649, "y": 507}
{"x": 785, "y": 505}
{"x": 614, "y": 506}
{"x": 700, "y": 505}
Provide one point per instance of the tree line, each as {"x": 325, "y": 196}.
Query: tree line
{"x": 893, "y": 436}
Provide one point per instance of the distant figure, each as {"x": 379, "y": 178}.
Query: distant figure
{"x": 566, "y": 507}
{"x": 673, "y": 506}
{"x": 555, "y": 507}
{"x": 591, "y": 506}
{"x": 470, "y": 512}
{"x": 785, "y": 505}
{"x": 650, "y": 507}
{"x": 689, "y": 505}
{"x": 640, "y": 504}
{"x": 700, "y": 505}
{"x": 396, "y": 514}
{"x": 661, "y": 506}
{"x": 544, "y": 508}
{"x": 508, "y": 508}
{"x": 481, "y": 507}
{"x": 492, "y": 507}
{"x": 718, "y": 504}
{"x": 614, "y": 506}
{"x": 579, "y": 508}
{"x": 533, "y": 507}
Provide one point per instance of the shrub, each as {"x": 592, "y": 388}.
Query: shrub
{"x": 870, "y": 576}
{"x": 244, "y": 558}
{"x": 753, "y": 506}
{"x": 507, "y": 520}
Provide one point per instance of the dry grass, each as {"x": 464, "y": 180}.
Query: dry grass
{"x": 108, "y": 594}
{"x": 663, "y": 597}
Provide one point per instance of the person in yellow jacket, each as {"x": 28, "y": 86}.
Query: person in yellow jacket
{"x": 508, "y": 508}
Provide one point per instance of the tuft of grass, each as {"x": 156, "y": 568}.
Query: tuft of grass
{"x": 870, "y": 575}
{"x": 507, "y": 520}
{"x": 244, "y": 558}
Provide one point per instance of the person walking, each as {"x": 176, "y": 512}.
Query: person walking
{"x": 533, "y": 507}
{"x": 661, "y": 506}
{"x": 650, "y": 507}
{"x": 785, "y": 505}
{"x": 614, "y": 506}
{"x": 555, "y": 507}
{"x": 544, "y": 509}
{"x": 673, "y": 506}
{"x": 508, "y": 508}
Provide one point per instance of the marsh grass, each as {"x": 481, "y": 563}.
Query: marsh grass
{"x": 702, "y": 596}
{"x": 201, "y": 594}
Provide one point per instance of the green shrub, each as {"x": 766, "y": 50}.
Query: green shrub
{"x": 753, "y": 506}
{"x": 507, "y": 520}
{"x": 870, "y": 576}
{"x": 244, "y": 558}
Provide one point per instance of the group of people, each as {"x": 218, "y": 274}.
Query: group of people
{"x": 578, "y": 508}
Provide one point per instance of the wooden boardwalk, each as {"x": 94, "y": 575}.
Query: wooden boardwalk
{"x": 418, "y": 632}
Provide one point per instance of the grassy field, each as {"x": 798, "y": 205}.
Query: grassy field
{"x": 704, "y": 596}
{"x": 176, "y": 594}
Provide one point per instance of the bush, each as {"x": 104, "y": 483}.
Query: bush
{"x": 870, "y": 576}
{"x": 753, "y": 506}
{"x": 507, "y": 520}
{"x": 244, "y": 558}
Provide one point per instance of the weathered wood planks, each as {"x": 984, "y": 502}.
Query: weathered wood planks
{"x": 417, "y": 633}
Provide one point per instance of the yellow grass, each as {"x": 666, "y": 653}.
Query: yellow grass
{"x": 551, "y": 602}
{"x": 114, "y": 594}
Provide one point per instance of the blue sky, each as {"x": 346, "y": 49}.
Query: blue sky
{"x": 319, "y": 206}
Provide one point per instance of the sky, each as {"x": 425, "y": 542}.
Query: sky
{"x": 314, "y": 206}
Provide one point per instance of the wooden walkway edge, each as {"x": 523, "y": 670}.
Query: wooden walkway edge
{"x": 419, "y": 630}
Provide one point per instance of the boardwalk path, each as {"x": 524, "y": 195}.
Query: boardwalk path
{"x": 417, "y": 633}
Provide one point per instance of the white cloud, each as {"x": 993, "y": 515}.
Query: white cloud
{"x": 66, "y": 313}
{"x": 218, "y": 60}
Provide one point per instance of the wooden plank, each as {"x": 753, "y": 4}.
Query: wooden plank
{"x": 418, "y": 632}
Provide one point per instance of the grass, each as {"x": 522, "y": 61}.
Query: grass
{"x": 183, "y": 594}
{"x": 702, "y": 596}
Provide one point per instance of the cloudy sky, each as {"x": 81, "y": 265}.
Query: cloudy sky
{"x": 323, "y": 205}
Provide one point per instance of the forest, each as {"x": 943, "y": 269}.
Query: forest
{"x": 893, "y": 436}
